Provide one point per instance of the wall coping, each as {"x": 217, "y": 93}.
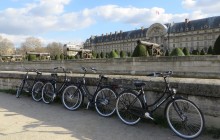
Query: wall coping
{"x": 186, "y": 86}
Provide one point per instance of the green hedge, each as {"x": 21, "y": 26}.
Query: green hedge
{"x": 177, "y": 52}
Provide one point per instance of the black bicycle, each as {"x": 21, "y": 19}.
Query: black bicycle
{"x": 28, "y": 85}
{"x": 50, "y": 90}
{"x": 183, "y": 116}
{"x": 103, "y": 99}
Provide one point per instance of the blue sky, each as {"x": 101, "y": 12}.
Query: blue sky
{"x": 76, "y": 20}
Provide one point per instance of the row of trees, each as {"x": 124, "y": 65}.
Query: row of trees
{"x": 30, "y": 44}
{"x": 56, "y": 50}
{"x": 140, "y": 51}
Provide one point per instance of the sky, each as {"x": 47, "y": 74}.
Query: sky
{"x": 77, "y": 20}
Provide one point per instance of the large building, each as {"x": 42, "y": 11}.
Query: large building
{"x": 194, "y": 34}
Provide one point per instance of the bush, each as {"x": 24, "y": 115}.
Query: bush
{"x": 57, "y": 57}
{"x": 210, "y": 50}
{"x": 216, "y": 48}
{"x": 167, "y": 53}
{"x": 116, "y": 51}
{"x": 113, "y": 54}
{"x": 139, "y": 51}
{"x": 107, "y": 55}
{"x": 129, "y": 54}
{"x": 62, "y": 56}
{"x": 177, "y": 52}
{"x": 195, "y": 52}
{"x": 186, "y": 51}
{"x": 94, "y": 54}
{"x": 31, "y": 57}
{"x": 202, "y": 52}
{"x": 98, "y": 55}
{"x": 122, "y": 54}
{"x": 102, "y": 55}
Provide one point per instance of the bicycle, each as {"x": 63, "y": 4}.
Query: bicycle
{"x": 103, "y": 98}
{"x": 50, "y": 90}
{"x": 184, "y": 118}
{"x": 29, "y": 85}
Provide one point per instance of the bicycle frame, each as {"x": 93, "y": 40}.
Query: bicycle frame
{"x": 62, "y": 87}
{"x": 83, "y": 87}
{"x": 26, "y": 80}
{"x": 167, "y": 94}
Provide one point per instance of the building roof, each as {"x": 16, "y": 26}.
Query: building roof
{"x": 119, "y": 36}
{"x": 194, "y": 25}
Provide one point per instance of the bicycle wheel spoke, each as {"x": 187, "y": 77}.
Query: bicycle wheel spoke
{"x": 72, "y": 97}
{"x": 125, "y": 107}
{"x": 105, "y": 100}
{"x": 184, "y": 118}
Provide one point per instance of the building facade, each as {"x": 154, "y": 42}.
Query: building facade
{"x": 195, "y": 34}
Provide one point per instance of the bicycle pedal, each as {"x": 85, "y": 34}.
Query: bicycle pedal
{"x": 147, "y": 115}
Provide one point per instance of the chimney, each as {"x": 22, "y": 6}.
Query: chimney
{"x": 186, "y": 20}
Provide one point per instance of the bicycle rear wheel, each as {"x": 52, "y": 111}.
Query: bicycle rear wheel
{"x": 20, "y": 88}
{"x": 184, "y": 118}
{"x": 72, "y": 97}
{"x": 105, "y": 100}
{"x": 127, "y": 106}
{"x": 48, "y": 93}
{"x": 37, "y": 91}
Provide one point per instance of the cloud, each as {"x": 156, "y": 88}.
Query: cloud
{"x": 206, "y": 7}
{"x": 47, "y": 7}
{"x": 42, "y": 16}
{"x": 133, "y": 15}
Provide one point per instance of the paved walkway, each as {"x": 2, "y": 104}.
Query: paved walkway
{"x": 25, "y": 119}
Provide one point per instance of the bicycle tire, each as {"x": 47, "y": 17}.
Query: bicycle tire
{"x": 37, "y": 91}
{"x": 124, "y": 108}
{"x": 72, "y": 97}
{"x": 105, "y": 100}
{"x": 48, "y": 93}
{"x": 184, "y": 118}
{"x": 20, "y": 89}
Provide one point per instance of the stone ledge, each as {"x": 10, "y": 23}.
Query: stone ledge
{"x": 187, "y": 86}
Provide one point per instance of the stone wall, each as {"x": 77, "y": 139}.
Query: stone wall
{"x": 204, "y": 92}
{"x": 186, "y": 66}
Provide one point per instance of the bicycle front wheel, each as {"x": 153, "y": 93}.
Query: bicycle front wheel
{"x": 127, "y": 107}
{"x": 37, "y": 91}
{"x": 184, "y": 118}
{"x": 105, "y": 100}
{"x": 20, "y": 88}
{"x": 48, "y": 93}
{"x": 72, "y": 97}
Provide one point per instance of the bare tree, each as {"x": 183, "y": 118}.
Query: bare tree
{"x": 55, "y": 48}
{"x": 6, "y": 46}
{"x": 31, "y": 44}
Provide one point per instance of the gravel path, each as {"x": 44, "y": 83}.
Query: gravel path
{"x": 25, "y": 119}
